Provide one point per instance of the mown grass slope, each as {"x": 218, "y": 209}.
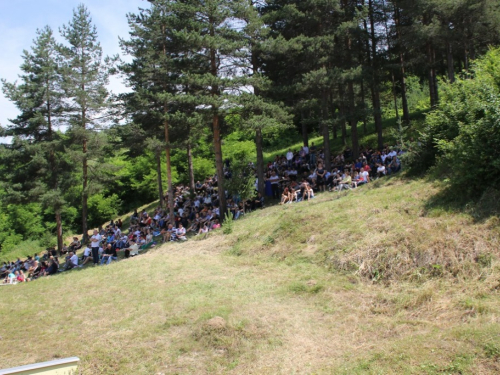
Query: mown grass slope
{"x": 378, "y": 281}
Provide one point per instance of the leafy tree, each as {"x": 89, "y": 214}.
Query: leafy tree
{"x": 85, "y": 74}
{"x": 35, "y": 165}
{"x": 465, "y": 129}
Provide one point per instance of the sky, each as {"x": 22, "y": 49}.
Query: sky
{"x": 20, "y": 19}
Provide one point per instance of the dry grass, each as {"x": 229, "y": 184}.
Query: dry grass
{"x": 283, "y": 294}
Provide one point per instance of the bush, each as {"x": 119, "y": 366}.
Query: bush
{"x": 102, "y": 209}
{"x": 462, "y": 135}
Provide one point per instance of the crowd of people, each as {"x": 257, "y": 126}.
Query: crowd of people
{"x": 293, "y": 177}
{"x": 298, "y": 175}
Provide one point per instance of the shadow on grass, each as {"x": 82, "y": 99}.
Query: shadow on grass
{"x": 481, "y": 207}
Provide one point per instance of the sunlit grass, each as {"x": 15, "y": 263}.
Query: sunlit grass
{"x": 363, "y": 283}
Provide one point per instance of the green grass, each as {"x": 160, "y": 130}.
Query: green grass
{"x": 363, "y": 283}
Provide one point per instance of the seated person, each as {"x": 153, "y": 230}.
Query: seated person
{"x": 167, "y": 234}
{"x": 71, "y": 261}
{"x": 21, "y": 278}
{"x": 53, "y": 266}
{"x": 181, "y": 232}
{"x": 346, "y": 181}
{"x": 216, "y": 224}
{"x": 132, "y": 250}
{"x": 395, "y": 165}
{"x": 109, "y": 254}
{"x": 286, "y": 196}
{"x": 258, "y": 202}
{"x": 87, "y": 255}
{"x": 203, "y": 229}
{"x": 380, "y": 170}
{"x": 75, "y": 245}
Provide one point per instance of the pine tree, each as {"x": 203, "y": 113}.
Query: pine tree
{"x": 39, "y": 169}
{"x": 85, "y": 79}
{"x": 210, "y": 36}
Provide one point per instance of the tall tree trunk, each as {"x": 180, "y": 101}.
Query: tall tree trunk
{"x": 325, "y": 130}
{"x": 53, "y": 170}
{"x": 466, "y": 57}
{"x": 402, "y": 78}
{"x": 394, "y": 96}
{"x": 258, "y": 132}
{"x": 352, "y": 121}
{"x": 170, "y": 191}
{"x": 190, "y": 167}
{"x": 375, "y": 89}
{"x": 260, "y": 162}
{"x": 59, "y": 231}
{"x": 431, "y": 74}
{"x": 333, "y": 110}
{"x": 85, "y": 193}
{"x": 305, "y": 135}
{"x": 449, "y": 60}
{"x": 170, "y": 188}
{"x": 363, "y": 106}
{"x": 350, "y": 93}
{"x": 342, "y": 116}
{"x": 158, "y": 176}
{"x": 219, "y": 165}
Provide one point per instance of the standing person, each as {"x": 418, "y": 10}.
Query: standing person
{"x": 312, "y": 155}
{"x": 320, "y": 176}
{"x": 95, "y": 240}
{"x": 275, "y": 185}
{"x": 289, "y": 157}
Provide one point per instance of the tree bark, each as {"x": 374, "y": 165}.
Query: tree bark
{"x": 158, "y": 175}
{"x": 352, "y": 121}
{"x": 85, "y": 193}
{"x": 260, "y": 162}
{"x": 219, "y": 164}
{"x": 377, "y": 113}
{"x": 305, "y": 135}
{"x": 431, "y": 74}
{"x": 190, "y": 167}
{"x": 59, "y": 231}
{"x": 325, "y": 130}
{"x": 342, "y": 116}
{"x": 449, "y": 60}
{"x": 363, "y": 105}
{"x": 53, "y": 170}
{"x": 402, "y": 79}
{"x": 170, "y": 191}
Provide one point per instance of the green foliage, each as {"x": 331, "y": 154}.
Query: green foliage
{"x": 465, "y": 130}
{"x": 237, "y": 146}
{"x": 227, "y": 224}
{"x": 202, "y": 168}
{"x": 102, "y": 209}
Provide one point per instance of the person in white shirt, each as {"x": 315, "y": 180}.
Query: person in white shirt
{"x": 365, "y": 176}
{"x": 71, "y": 261}
{"x": 132, "y": 250}
{"x": 181, "y": 233}
{"x": 87, "y": 255}
{"x": 381, "y": 170}
{"x": 95, "y": 241}
{"x": 274, "y": 184}
{"x": 289, "y": 157}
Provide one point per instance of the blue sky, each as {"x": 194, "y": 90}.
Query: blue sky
{"x": 19, "y": 20}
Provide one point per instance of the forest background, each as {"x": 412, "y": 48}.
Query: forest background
{"x": 225, "y": 80}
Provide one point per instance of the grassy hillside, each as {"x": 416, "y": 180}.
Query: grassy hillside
{"x": 379, "y": 281}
